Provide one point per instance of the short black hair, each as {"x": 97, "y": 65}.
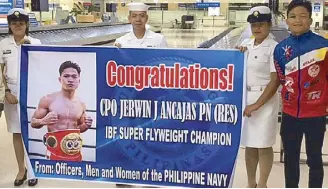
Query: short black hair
{"x": 300, "y": 3}
{"x": 69, "y": 64}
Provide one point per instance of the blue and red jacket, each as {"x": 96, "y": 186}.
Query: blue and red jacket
{"x": 302, "y": 66}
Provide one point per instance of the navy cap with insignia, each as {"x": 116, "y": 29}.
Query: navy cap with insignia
{"x": 137, "y": 6}
{"x": 259, "y": 14}
{"x": 17, "y": 14}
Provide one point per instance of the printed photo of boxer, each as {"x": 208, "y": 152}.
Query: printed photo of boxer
{"x": 64, "y": 115}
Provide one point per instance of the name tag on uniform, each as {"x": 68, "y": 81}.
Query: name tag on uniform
{"x": 7, "y": 52}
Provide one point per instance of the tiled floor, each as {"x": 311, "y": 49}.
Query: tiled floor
{"x": 185, "y": 38}
{"x": 179, "y": 39}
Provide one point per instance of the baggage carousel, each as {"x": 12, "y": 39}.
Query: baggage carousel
{"x": 79, "y": 34}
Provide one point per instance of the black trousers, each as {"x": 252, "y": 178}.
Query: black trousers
{"x": 292, "y": 131}
{"x": 316, "y": 25}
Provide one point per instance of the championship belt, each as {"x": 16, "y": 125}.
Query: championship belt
{"x": 64, "y": 144}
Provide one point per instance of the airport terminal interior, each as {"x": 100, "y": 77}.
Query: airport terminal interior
{"x": 184, "y": 24}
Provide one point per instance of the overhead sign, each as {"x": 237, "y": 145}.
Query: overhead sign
{"x": 207, "y": 5}
{"x": 316, "y": 7}
{"x": 19, "y": 4}
{"x": 5, "y": 6}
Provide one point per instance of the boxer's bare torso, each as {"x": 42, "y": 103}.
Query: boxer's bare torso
{"x": 58, "y": 112}
{"x": 69, "y": 112}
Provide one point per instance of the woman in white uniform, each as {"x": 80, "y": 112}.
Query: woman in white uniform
{"x": 18, "y": 22}
{"x": 260, "y": 126}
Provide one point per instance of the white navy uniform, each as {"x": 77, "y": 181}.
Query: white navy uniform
{"x": 260, "y": 130}
{"x": 150, "y": 38}
{"x": 9, "y": 55}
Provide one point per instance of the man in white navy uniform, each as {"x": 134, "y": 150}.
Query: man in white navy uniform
{"x": 140, "y": 37}
{"x": 18, "y": 23}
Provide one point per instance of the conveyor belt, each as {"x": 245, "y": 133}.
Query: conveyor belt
{"x": 66, "y": 26}
{"x": 78, "y": 34}
{"x": 233, "y": 38}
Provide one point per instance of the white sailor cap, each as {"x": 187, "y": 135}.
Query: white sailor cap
{"x": 17, "y": 14}
{"x": 259, "y": 14}
{"x": 137, "y": 6}
{"x": 17, "y": 11}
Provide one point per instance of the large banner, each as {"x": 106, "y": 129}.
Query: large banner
{"x": 165, "y": 117}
